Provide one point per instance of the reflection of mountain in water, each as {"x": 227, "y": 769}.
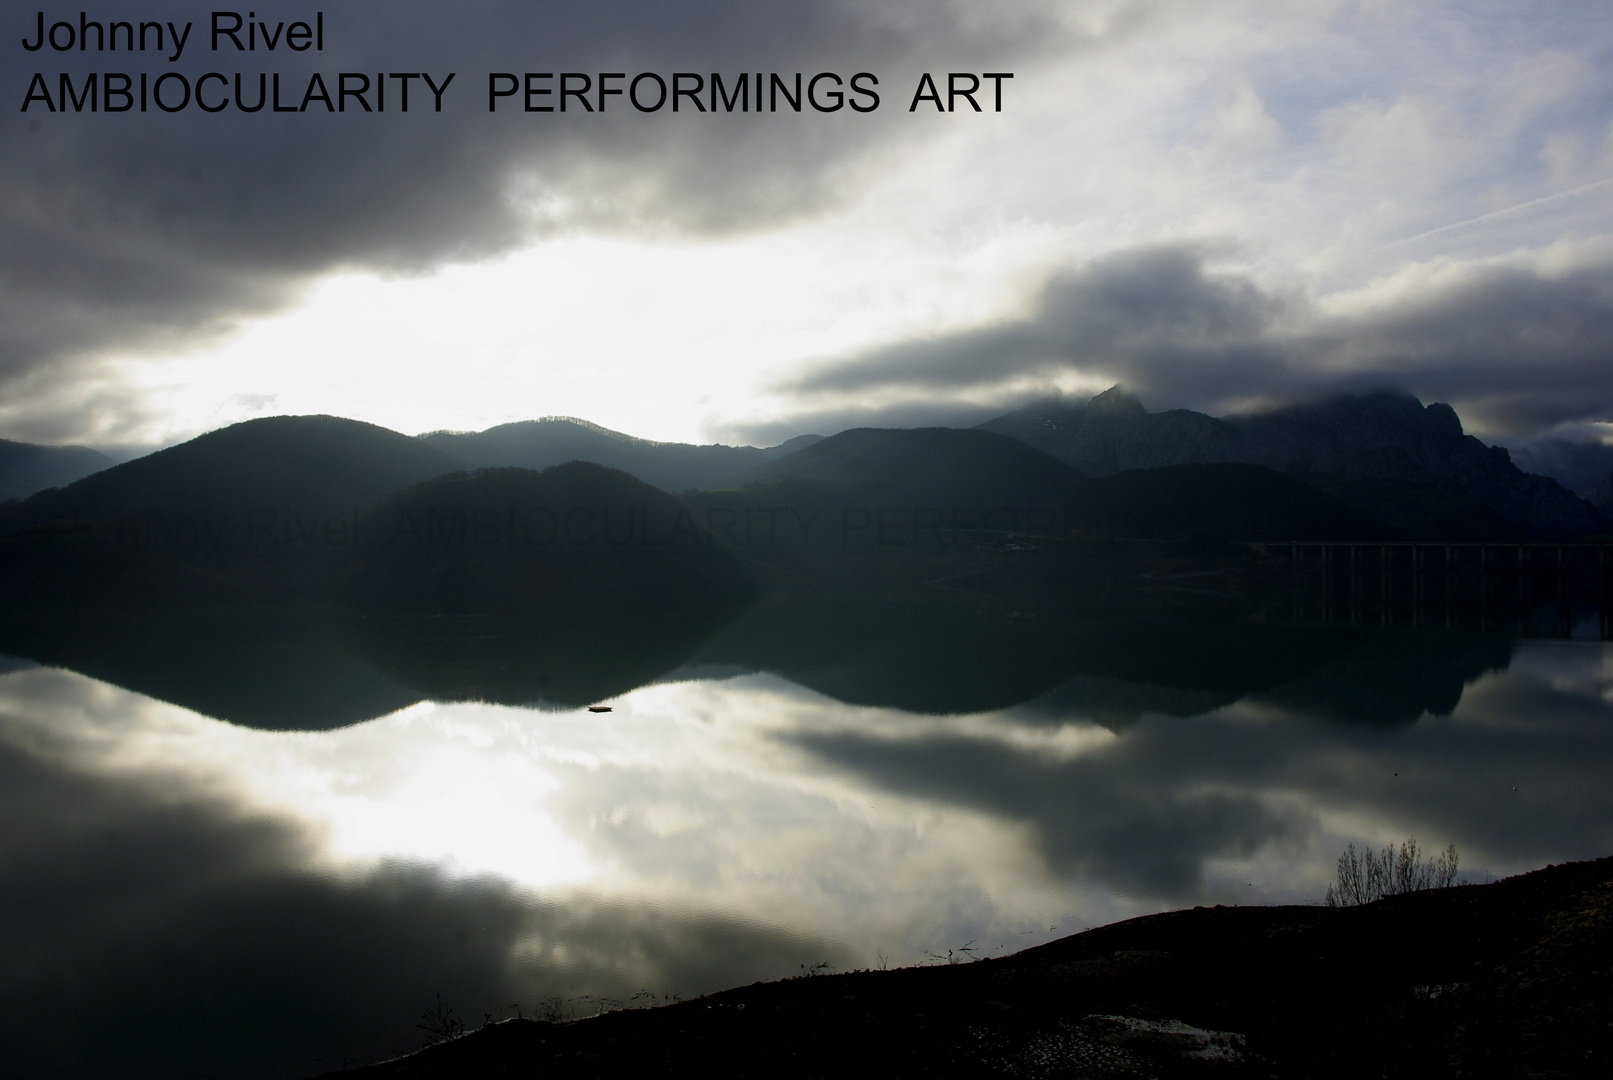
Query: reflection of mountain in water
{"x": 1116, "y": 703}
{"x": 9, "y": 664}
{"x": 313, "y": 668}
{"x": 311, "y": 572}
{"x": 956, "y": 655}
{"x": 274, "y": 669}
{"x": 555, "y": 664}
{"x": 1384, "y": 679}
{"x": 939, "y": 656}
{"x": 1395, "y": 679}
{"x": 302, "y": 669}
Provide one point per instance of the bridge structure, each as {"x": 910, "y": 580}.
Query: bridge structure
{"x": 1536, "y": 588}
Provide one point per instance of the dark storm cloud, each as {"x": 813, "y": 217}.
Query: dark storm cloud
{"x": 1527, "y": 349}
{"x": 138, "y": 230}
{"x": 1522, "y": 348}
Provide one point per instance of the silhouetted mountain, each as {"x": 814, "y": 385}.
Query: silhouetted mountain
{"x": 26, "y": 468}
{"x": 538, "y": 444}
{"x": 937, "y": 467}
{"x": 261, "y": 480}
{"x": 257, "y": 512}
{"x": 577, "y": 536}
{"x": 1384, "y": 453}
{"x": 939, "y": 488}
{"x": 873, "y": 509}
{"x": 1227, "y": 501}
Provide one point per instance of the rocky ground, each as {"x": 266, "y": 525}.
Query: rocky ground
{"x": 1512, "y": 979}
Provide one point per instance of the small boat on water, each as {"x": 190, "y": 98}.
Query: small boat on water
{"x": 599, "y": 708}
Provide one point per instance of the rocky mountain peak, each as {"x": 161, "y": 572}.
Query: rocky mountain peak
{"x": 1115, "y": 402}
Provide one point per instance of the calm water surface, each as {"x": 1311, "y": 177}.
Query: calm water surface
{"x": 185, "y": 896}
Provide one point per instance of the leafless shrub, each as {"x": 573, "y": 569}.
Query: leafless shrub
{"x": 1365, "y": 876}
{"x": 966, "y": 951}
{"x": 440, "y": 1024}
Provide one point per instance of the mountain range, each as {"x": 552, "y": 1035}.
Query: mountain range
{"x": 1378, "y": 466}
{"x": 248, "y": 568}
{"x": 554, "y": 440}
{"x": 1384, "y": 453}
{"x": 313, "y": 668}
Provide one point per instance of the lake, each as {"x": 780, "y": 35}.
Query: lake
{"x": 186, "y": 895}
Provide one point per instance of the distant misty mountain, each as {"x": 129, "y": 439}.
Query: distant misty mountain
{"x": 1385, "y": 453}
{"x": 1585, "y": 467}
{"x": 1600, "y": 495}
{"x": 26, "y": 468}
{"x": 538, "y": 444}
{"x": 1576, "y": 465}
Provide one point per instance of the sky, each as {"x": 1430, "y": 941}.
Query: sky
{"x": 1218, "y": 205}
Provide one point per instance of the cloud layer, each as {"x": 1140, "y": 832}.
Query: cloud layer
{"x": 1518, "y": 344}
{"x": 1214, "y": 179}
{"x": 143, "y": 231}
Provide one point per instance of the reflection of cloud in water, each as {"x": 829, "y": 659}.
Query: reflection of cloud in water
{"x": 177, "y": 890}
{"x": 152, "y": 924}
{"x": 417, "y": 784}
{"x": 1094, "y": 816}
{"x": 1151, "y": 812}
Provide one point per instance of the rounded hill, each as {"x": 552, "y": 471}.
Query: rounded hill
{"x": 577, "y": 536}
{"x": 939, "y": 466}
{"x": 315, "y": 465}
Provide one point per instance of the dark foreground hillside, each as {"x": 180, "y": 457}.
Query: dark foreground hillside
{"x": 1509, "y": 979}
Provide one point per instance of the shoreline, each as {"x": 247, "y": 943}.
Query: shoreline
{"x": 1508, "y": 978}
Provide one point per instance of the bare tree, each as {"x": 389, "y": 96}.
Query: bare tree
{"x": 1365, "y": 876}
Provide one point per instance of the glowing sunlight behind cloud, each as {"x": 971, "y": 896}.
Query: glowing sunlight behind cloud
{"x": 675, "y": 280}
